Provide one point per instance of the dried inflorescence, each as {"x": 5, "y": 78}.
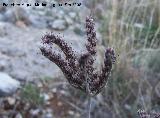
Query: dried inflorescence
{"x": 79, "y": 70}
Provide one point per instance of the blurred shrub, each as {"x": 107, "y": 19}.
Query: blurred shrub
{"x": 133, "y": 29}
{"x": 148, "y": 59}
{"x": 154, "y": 62}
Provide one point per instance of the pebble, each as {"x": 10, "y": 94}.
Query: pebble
{"x": 34, "y": 112}
{"x": 11, "y": 100}
{"x": 45, "y": 96}
{"x": 19, "y": 115}
{"x": 49, "y": 115}
{"x": 8, "y": 85}
{"x": 38, "y": 22}
{"x": 1, "y": 17}
{"x": 59, "y": 24}
{"x": 3, "y": 31}
{"x": 72, "y": 15}
{"x": 71, "y": 112}
{"x": 68, "y": 20}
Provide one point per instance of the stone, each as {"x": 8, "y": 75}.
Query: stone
{"x": 72, "y": 15}
{"x": 2, "y": 9}
{"x": 70, "y": 112}
{"x": 9, "y": 16}
{"x": 21, "y": 24}
{"x": 78, "y": 29}
{"x": 11, "y": 100}
{"x": 37, "y": 21}
{"x": 34, "y": 112}
{"x": 3, "y": 31}
{"x": 1, "y": 17}
{"x": 54, "y": 90}
{"x": 68, "y": 20}
{"x": 21, "y": 74}
{"x": 3, "y": 64}
{"x": 45, "y": 96}
{"x": 59, "y": 25}
{"x": 19, "y": 116}
{"x": 60, "y": 14}
{"x": 8, "y": 85}
{"x": 15, "y": 14}
{"x": 48, "y": 115}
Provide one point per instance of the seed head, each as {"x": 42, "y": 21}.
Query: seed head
{"x": 79, "y": 70}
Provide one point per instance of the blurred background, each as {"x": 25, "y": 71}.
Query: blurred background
{"x": 33, "y": 87}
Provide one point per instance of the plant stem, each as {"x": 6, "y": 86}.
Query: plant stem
{"x": 89, "y": 107}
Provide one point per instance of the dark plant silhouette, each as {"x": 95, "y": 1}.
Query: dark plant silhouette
{"x": 79, "y": 70}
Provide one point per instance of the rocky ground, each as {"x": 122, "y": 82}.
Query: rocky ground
{"x": 21, "y": 62}
{"x": 21, "y": 30}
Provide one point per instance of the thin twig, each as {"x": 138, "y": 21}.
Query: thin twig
{"x": 74, "y": 106}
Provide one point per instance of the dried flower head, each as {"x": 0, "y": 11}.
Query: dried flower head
{"x": 79, "y": 70}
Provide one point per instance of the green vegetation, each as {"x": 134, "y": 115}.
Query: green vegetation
{"x": 30, "y": 93}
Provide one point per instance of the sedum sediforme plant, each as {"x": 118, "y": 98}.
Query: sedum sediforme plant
{"x": 79, "y": 69}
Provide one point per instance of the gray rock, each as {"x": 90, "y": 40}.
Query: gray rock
{"x": 79, "y": 29}
{"x": 34, "y": 112}
{"x": 19, "y": 115}
{"x": 1, "y": 17}
{"x": 45, "y": 96}
{"x": 2, "y": 29}
{"x": 49, "y": 115}
{"x": 89, "y": 4}
{"x": 59, "y": 25}
{"x": 9, "y": 16}
{"x": 3, "y": 64}
{"x": 72, "y": 15}
{"x": 60, "y": 14}
{"x": 37, "y": 22}
{"x": 20, "y": 74}
{"x": 11, "y": 100}
{"x": 2, "y": 9}
{"x": 8, "y": 85}
{"x": 68, "y": 20}
{"x": 12, "y": 15}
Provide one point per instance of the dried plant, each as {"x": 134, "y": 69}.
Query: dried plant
{"x": 79, "y": 70}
